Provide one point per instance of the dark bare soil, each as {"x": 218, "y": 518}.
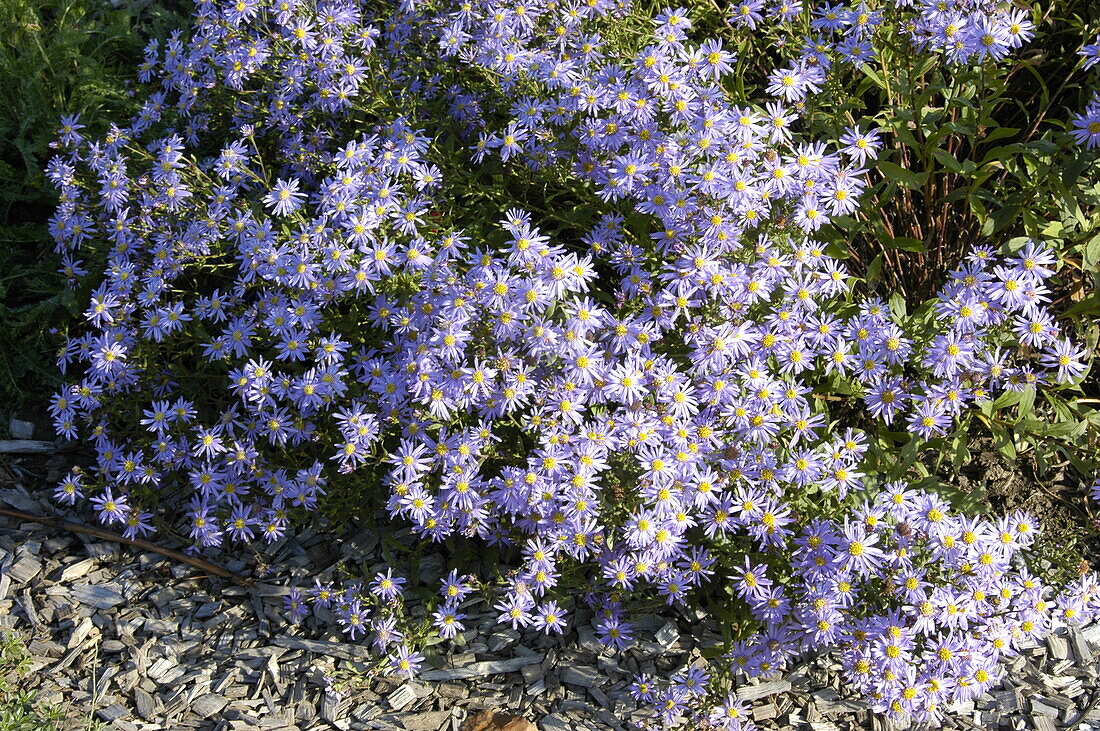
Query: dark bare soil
{"x": 1058, "y": 498}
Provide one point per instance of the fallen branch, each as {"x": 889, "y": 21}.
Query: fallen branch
{"x": 107, "y": 535}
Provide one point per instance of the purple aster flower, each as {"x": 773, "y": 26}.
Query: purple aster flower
{"x": 671, "y": 703}
{"x": 1067, "y": 359}
{"x": 455, "y": 588}
{"x": 322, "y": 594}
{"x": 448, "y": 620}
{"x": 111, "y": 509}
{"x": 1091, "y": 53}
{"x": 549, "y": 618}
{"x": 732, "y": 714}
{"x": 747, "y": 13}
{"x": 860, "y": 146}
{"x": 295, "y": 606}
{"x": 614, "y": 633}
{"x": 138, "y": 524}
{"x": 386, "y": 586}
{"x": 284, "y": 198}
{"x": 643, "y": 688}
{"x": 751, "y": 581}
{"x": 70, "y": 488}
{"x": 353, "y": 618}
{"x": 515, "y": 610}
{"x": 1087, "y": 125}
{"x": 405, "y": 662}
{"x": 858, "y": 550}
{"x": 693, "y": 680}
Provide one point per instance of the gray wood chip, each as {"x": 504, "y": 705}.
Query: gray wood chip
{"x": 586, "y": 677}
{"x": 555, "y": 722}
{"x": 21, "y": 429}
{"x": 143, "y": 703}
{"x": 502, "y": 638}
{"x": 1081, "y": 649}
{"x": 25, "y": 569}
{"x": 1059, "y": 648}
{"x": 342, "y": 650}
{"x": 478, "y": 669}
{"x": 1044, "y": 723}
{"x": 28, "y": 609}
{"x": 79, "y": 633}
{"x": 667, "y": 636}
{"x": 209, "y": 704}
{"x": 101, "y": 596}
{"x": 113, "y": 712}
{"x": 1007, "y": 700}
{"x": 753, "y": 692}
{"x": 20, "y": 500}
{"x": 429, "y": 721}
{"x": 46, "y": 648}
{"x": 1038, "y": 706}
{"x": 402, "y": 697}
{"x": 161, "y": 626}
{"x": 330, "y": 708}
{"x": 77, "y": 570}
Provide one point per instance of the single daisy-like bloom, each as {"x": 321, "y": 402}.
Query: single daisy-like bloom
{"x": 284, "y": 198}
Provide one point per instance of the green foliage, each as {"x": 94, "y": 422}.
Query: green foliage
{"x": 19, "y": 710}
{"x": 981, "y": 155}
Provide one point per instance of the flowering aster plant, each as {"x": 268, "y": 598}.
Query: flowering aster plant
{"x": 662, "y": 378}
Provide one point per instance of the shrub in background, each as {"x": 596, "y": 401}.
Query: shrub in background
{"x": 571, "y": 281}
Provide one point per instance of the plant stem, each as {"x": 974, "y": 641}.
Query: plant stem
{"x": 62, "y": 524}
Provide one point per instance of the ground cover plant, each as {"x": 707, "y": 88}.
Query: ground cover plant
{"x": 688, "y": 305}
{"x": 19, "y": 708}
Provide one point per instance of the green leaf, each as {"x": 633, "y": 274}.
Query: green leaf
{"x": 1090, "y": 304}
{"x": 1026, "y": 404}
{"x": 874, "y": 270}
{"x": 1053, "y": 230}
{"x": 897, "y": 304}
{"x": 1008, "y": 398}
{"x": 1002, "y": 441}
{"x": 1000, "y": 133}
{"x": 948, "y": 160}
{"x": 909, "y": 453}
{"x": 961, "y": 448}
{"x": 874, "y": 76}
{"x": 897, "y": 174}
{"x": 1000, "y": 153}
{"x": 905, "y": 243}
{"x": 1071, "y": 429}
{"x": 1000, "y": 218}
{"x": 1090, "y": 253}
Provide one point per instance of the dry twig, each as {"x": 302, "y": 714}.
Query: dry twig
{"x": 107, "y": 535}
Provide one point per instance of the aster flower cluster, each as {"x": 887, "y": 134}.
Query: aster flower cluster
{"x": 374, "y": 611}
{"x": 959, "y": 606}
{"x": 290, "y": 295}
{"x": 971, "y": 31}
